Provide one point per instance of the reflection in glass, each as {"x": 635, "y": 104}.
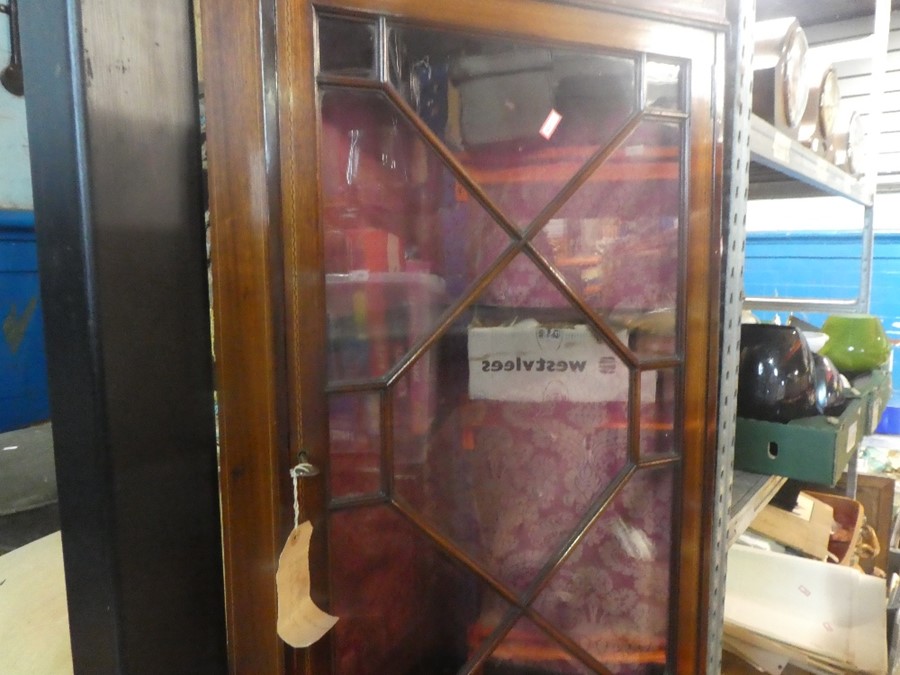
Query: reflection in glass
{"x": 652, "y": 334}
{"x": 529, "y": 427}
{"x": 616, "y": 240}
{"x": 346, "y": 47}
{"x": 354, "y": 428}
{"x": 657, "y": 426}
{"x": 401, "y": 234}
{"x": 402, "y": 606}
{"x": 373, "y": 319}
{"x": 528, "y": 644}
{"x": 664, "y": 85}
{"x": 367, "y": 183}
{"x": 416, "y": 404}
{"x": 612, "y": 594}
{"x": 522, "y": 119}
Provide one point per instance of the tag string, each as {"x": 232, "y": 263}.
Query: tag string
{"x": 303, "y": 470}
{"x": 294, "y": 482}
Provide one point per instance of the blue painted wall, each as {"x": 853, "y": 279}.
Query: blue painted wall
{"x": 826, "y": 265}
{"x": 23, "y": 365}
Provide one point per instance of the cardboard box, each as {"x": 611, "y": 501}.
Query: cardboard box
{"x": 806, "y": 529}
{"x": 875, "y": 390}
{"x": 849, "y": 517}
{"x": 876, "y": 495}
{"x": 815, "y": 449}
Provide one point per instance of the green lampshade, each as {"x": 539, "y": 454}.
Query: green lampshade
{"x": 856, "y": 342}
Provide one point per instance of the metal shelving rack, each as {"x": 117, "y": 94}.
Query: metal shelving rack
{"x": 782, "y": 167}
{"x": 763, "y": 163}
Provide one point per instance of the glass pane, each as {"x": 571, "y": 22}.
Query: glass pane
{"x": 528, "y": 644}
{"x": 373, "y": 319}
{"x": 522, "y": 119}
{"x": 511, "y": 427}
{"x": 402, "y": 606}
{"x": 612, "y": 594}
{"x": 401, "y": 234}
{"x": 354, "y": 427}
{"x": 616, "y": 241}
{"x": 652, "y": 334}
{"x": 664, "y": 85}
{"x": 346, "y": 47}
{"x": 658, "y": 432}
{"x": 415, "y": 398}
{"x": 366, "y": 183}
{"x": 529, "y": 427}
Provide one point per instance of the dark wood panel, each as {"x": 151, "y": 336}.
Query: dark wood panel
{"x": 115, "y": 155}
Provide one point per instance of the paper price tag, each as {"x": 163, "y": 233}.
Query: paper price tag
{"x": 781, "y": 147}
{"x": 300, "y": 622}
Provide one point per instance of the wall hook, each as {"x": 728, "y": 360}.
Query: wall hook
{"x": 11, "y": 77}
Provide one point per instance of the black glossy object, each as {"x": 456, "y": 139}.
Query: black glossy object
{"x": 829, "y": 386}
{"x": 776, "y": 379}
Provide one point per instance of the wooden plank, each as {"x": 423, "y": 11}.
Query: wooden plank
{"x": 807, "y": 536}
{"x": 34, "y": 620}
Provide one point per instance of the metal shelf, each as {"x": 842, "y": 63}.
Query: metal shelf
{"x": 750, "y": 492}
{"x": 782, "y": 167}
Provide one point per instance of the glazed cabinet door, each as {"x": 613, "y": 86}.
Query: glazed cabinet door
{"x": 499, "y": 260}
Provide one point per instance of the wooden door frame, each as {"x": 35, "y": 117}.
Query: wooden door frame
{"x": 238, "y": 57}
{"x": 269, "y": 299}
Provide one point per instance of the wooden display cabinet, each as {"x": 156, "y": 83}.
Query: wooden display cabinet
{"x": 466, "y": 262}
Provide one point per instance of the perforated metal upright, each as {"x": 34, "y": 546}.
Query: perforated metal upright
{"x": 739, "y": 84}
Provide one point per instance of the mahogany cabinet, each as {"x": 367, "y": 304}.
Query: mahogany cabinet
{"x": 466, "y": 263}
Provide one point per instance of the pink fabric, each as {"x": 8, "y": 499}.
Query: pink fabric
{"x": 536, "y": 469}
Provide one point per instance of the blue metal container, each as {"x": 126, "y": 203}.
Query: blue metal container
{"x": 23, "y": 364}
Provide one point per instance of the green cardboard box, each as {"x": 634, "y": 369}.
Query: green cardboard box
{"x": 875, "y": 389}
{"x": 814, "y": 449}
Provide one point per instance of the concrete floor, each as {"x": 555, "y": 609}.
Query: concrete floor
{"x": 28, "y": 508}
